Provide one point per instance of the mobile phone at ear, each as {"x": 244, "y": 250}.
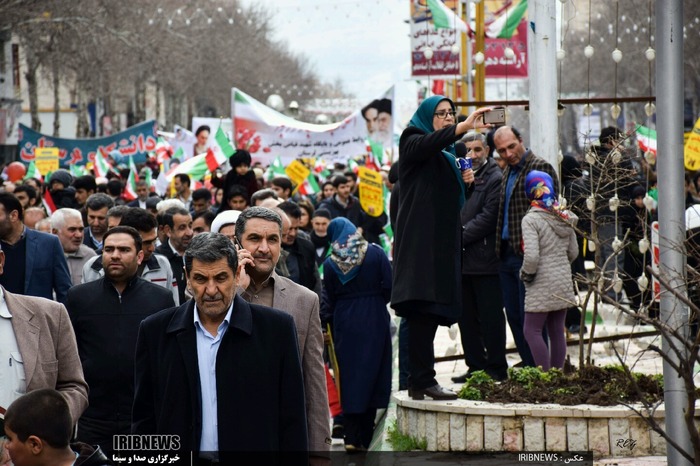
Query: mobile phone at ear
{"x": 497, "y": 116}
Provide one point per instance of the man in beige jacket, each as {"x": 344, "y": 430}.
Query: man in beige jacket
{"x": 38, "y": 350}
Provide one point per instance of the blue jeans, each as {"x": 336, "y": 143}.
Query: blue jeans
{"x": 514, "y": 300}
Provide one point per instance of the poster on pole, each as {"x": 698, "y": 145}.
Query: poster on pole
{"x": 442, "y": 43}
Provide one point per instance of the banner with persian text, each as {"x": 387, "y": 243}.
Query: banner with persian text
{"x": 267, "y": 133}
{"x": 136, "y": 141}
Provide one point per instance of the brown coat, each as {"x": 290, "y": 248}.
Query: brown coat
{"x": 47, "y": 344}
{"x": 302, "y": 304}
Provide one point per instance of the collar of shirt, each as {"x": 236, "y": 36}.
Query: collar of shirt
{"x": 4, "y": 310}
{"x": 222, "y": 326}
{"x": 92, "y": 238}
{"x": 173, "y": 249}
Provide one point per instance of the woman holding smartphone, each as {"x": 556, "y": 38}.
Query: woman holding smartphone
{"x": 427, "y": 243}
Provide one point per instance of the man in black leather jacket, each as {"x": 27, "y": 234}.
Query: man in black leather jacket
{"x": 482, "y": 324}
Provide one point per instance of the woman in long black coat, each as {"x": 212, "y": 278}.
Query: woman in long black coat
{"x": 427, "y": 243}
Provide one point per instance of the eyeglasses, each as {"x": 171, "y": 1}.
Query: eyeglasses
{"x": 442, "y": 114}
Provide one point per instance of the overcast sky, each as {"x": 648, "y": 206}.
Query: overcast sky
{"x": 365, "y": 43}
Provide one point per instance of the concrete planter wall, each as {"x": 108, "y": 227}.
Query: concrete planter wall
{"x": 463, "y": 425}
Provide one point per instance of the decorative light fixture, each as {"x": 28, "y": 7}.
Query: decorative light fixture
{"x": 617, "y": 283}
{"x": 650, "y": 157}
{"x": 587, "y": 109}
{"x": 590, "y": 203}
{"x": 643, "y": 245}
{"x": 591, "y": 157}
{"x": 615, "y": 111}
{"x": 616, "y": 244}
{"x": 588, "y": 51}
{"x": 650, "y": 54}
{"x": 455, "y": 49}
{"x": 561, "y": 54}
{"x": 508, "y": 52}
{"x": 614, "y": 203}
{"x": 479, "y": 58}
{"x": 616, "y": 156}
{"x": 649, "y": 108}
{"x": 642, "y": 283}
{"x": 617, "y": 55}
{"x": 428, "y": 52}
{"x": 649, "y": 202}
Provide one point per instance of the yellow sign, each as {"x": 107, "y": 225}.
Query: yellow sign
{"x": 297, "y": 172}
{"x": 692, "y": 149}
{"x": 46, "y": 159}
{"x": 371, "y": 191}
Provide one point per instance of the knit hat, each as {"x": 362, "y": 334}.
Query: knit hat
{"x": 539, "y": 189}
{"x": 226, "y": 217}
{"x": 240, "y": 157}
{"x": 322, "y": 213}
{"x": 63, "y": 176}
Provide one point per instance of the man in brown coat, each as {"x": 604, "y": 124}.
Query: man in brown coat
{"x": 38, "y": 343}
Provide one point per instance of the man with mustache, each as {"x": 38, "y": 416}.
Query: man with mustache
{"x": 259, "y": 231}
{"x": 222, "y": 374}
{"x": 106, "y": 314}
{"x": 177, "y": 225}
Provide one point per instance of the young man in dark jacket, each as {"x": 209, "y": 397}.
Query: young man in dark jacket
{"x": 482, "y": 324}
{"x": 106, "y": 315}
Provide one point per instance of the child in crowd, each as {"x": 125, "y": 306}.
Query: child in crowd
{"x": 549, "y": 246}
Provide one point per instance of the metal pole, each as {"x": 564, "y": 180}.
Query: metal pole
{"x": 480, "y": 85}
{"x": 669, "y": 128}
{"x": 542, "y": 70}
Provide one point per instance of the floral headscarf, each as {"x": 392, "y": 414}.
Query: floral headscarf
{"x": 539, "y": 189}
{"x": 348, "y": 249}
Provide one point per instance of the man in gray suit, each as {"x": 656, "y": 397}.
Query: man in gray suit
{"x": 259, "y": 232}
{"x": 28, "y": 362}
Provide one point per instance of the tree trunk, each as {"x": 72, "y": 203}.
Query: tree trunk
{"x": 33, "y": 88}
{"x": 56, "y": 101}
{"x": 82, "y": 127}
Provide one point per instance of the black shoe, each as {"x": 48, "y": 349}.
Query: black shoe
{"x": 436, "y": 392}
{"x": 460, "y": 378}
{"x": 338, "y": 431}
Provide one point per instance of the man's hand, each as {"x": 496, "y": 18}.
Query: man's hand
{"x": 244, "y": 258}
{"x": 468, "y": 176}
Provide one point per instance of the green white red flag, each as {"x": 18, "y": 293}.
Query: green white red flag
{"x": 33, "y": 172}
{"x": 219, "y": 151}
{"x": 445, "y": 18}
{"x": 646, "y": 138}
{"x": 505, "y": 25}
{"x": 309, "y": 186}
{"x": 78, "y": 170}
{"x": 102, "y": 166}
{"x": 276, "y": 168}
{"x": 163, "y": 150}
{"x": 130, "y": 191}
{"x": 47, "y": 200}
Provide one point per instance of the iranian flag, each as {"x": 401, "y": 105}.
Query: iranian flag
{"x": 163, "y": 150}
{"x": 352, "y": 165}
{"x": 375, "y": 151}
{"x": 444, "y": 17}
{"x": 77, "y": 170}
{"x": 646, "y": 138}
{"x": 219, "y": 152}
{"x": 130, "y": 191}
{"x": 507, "y": 22}
{"x": 309, "y": 186}
{"x": 47, "y": 200}
{"x": 102, "y": 166}
{"x": 33, "y": 172}
{"x": 276, "y": 168}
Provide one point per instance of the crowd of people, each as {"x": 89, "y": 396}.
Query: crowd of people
{"x": 209, "y": 314}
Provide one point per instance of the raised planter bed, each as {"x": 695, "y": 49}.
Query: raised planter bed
{"x": 475, "y": 426}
